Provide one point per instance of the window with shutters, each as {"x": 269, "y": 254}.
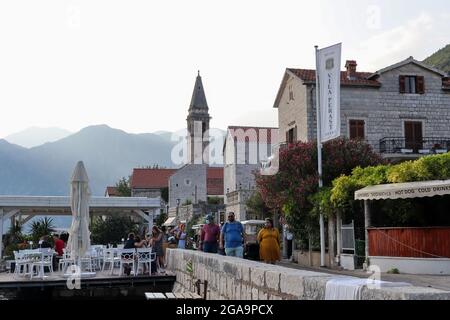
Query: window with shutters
{"x": 412, "y": 84}
{"x": 357, "y": 129}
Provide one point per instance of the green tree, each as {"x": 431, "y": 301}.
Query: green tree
{"x": 124, "y": 187}
{"x": 112, "y": 229}
{"x": 256, "y": 206}
{"x": 42, "y": 227}
{"x": 165, "y": 194}
{"x": 14, "y": 235}
{"x": 440, "y": 59}
{"x": 215, "y": 200}
{"x": 161, "y": 219}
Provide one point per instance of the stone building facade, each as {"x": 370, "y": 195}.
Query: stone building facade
{"x": 150, "y": 183}
{"x": 195, "y": 183}
{"x": 188, "y": 184}
{"x": 401, "y": 110}
{"x": 237, "y": 203}
{"x": 245, "y": 148}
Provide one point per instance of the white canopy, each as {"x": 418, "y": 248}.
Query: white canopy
{"x": 79, "y": 234}
{"x": 170, "y": 222}
{"x": 404, "y": 190}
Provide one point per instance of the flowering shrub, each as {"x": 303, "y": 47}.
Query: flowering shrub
{"x": 290, "y": 190}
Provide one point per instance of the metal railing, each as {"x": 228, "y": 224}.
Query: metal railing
{"x": 399, "y": 145}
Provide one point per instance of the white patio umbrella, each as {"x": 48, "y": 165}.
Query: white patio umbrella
{"x": 79, "y": 235}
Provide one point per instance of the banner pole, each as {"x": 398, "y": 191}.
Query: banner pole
{"x": 319, "y": 157}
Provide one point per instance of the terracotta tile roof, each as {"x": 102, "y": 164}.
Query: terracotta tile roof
{"x": 253, "y": 134}
{"x": 111, "y": 191}
{"x": 151, "y": 178}
{"x": 360, "y": 79}
{"x": 159, "y": 178}
{"x": 214, "y": 181}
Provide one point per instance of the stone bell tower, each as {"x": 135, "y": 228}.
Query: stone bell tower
{"x": 198, "y": 125}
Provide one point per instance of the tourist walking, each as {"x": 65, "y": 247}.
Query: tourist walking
{"x": 232, "y": 237}
{"x": 269, "y": 243}
{"x": 209, "y": 236}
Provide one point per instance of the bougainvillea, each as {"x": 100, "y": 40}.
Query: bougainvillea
{"x": 290, "y": 189}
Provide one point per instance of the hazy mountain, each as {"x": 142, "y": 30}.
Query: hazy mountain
{"x": 440, "y": 59}
{"x": 36, "y": 136}
{"x": 108, "y": 155}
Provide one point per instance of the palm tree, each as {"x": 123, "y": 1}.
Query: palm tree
{"x": 42, "y": 227}
{"x": 14, "y": 234}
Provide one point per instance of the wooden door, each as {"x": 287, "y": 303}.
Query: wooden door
{"x": 413, "y": 135}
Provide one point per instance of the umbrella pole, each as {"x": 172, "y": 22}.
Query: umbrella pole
{"x": 79, "y": 227}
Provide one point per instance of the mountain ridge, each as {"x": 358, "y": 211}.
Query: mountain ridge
{"x": 108, "y": 153}
{"x": 440, "y": 59}
{"x": 35, "y": 136}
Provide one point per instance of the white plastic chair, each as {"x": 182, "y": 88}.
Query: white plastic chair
{"x": 109, "y": 257}
{"x": 87, "y": 261}
{"x": 127, "y": 257}
{"x": 145, "y": 257}
{"x": 41, "y": 260}
{"x": 98, "y": 256}
{"x": 66, "y": 261}
{"x": 21, "y": 263}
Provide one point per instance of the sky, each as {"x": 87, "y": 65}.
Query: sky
{"x": 132, "y": 64}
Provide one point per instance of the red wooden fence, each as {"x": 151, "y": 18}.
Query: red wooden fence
{"x": 410, "y": 242}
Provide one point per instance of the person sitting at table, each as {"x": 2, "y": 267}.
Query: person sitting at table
{"x": 44, "y": 242}
{"x": 129, "y": 244}
{"x": 23, "y": 245}
{"x": 138, "y": 243}
{"x": 59, "y": 248}
{"x": 59, "y": 245}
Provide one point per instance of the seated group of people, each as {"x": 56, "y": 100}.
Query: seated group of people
{"x": 59, "y": 244}
{"x": 154, "y": 241}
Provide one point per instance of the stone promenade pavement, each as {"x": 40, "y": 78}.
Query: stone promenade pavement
{"x": 430, "y": 281}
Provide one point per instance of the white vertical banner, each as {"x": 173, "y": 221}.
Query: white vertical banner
{"x": 329, "y": 71}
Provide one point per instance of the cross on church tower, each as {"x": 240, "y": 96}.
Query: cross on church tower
{"x": 198, "y": 125}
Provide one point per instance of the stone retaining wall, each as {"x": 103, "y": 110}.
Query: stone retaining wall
{"x": 238, "y": 279}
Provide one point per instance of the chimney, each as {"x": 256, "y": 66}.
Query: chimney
{"x": 350, "y": 65}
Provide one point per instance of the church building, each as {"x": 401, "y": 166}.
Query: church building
{"x": 196, "y": 183}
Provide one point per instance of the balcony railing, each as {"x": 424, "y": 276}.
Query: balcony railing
{"x": 399, "y": 145}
